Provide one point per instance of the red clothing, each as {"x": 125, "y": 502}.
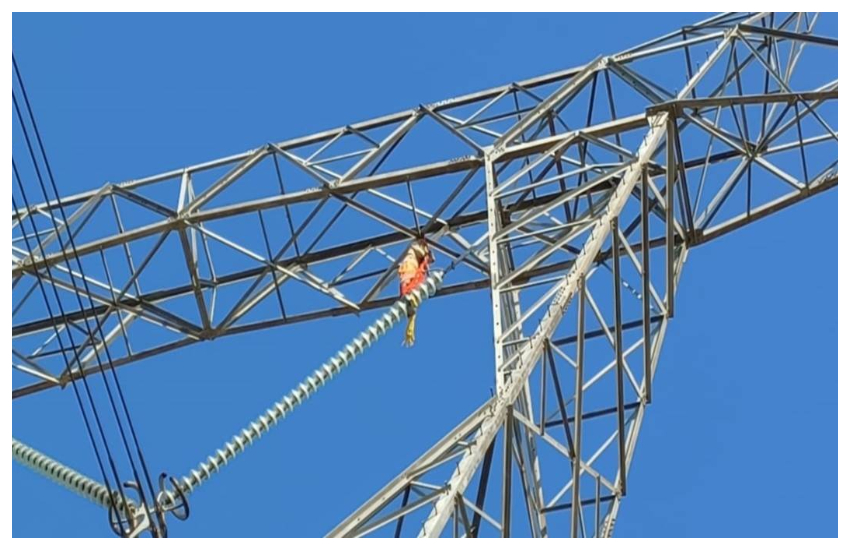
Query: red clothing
{"x": 412, "y": 273}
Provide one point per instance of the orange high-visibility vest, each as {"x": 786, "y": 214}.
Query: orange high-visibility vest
{"x": 411, "y": 273}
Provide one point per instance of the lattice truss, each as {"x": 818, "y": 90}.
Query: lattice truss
{"x": 574, "y": 197}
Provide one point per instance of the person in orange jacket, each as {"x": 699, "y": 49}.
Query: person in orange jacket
{"x": 412, "y": 271}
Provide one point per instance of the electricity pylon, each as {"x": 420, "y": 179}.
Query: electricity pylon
{"x": 575, "y": 197}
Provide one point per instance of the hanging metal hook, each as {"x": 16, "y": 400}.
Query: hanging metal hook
{"x": 172, "y": 499}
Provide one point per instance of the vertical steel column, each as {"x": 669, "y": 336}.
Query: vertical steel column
{"x": 670, "y": 218}
{"x": 618, "y": 345}
{"x": 493, "y": 227}
{"x": 576, "y": 508}
{"x": 506, "y": 481}
{"x": 506, "y": 310}
{"x": 400, "y": 523}
{"x": 483, "y": 480}
{"x": 598, "y": 513}
{"x": 647, "y": 329}
{"x": 562, "y": 408}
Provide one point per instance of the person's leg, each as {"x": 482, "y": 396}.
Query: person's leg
{"x": 410, "y": 331}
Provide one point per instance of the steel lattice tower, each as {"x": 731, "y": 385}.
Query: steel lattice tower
{"x": 574, "y": 197}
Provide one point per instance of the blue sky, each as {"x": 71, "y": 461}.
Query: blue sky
{"x": 741, "y": 438}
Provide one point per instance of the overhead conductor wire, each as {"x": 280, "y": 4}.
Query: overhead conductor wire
{"x": 78, "y": 292}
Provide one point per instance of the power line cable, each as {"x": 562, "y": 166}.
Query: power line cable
{"x": 80, "y": 301}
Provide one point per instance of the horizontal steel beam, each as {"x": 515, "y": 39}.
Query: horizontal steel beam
{"x": 755, "y": 99}
{"x": 674, "y": 38}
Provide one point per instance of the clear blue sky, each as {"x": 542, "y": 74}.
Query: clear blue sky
{"x": 741, "y": 438}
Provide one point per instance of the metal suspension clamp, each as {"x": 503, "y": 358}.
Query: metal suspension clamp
{"x": 130, "y": 521}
